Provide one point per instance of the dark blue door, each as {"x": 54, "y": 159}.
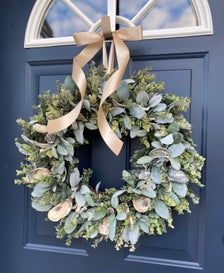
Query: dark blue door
{"x": 191, "y": 67}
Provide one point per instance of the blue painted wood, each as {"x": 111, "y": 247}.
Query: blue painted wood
{"x": 191, "y": 67}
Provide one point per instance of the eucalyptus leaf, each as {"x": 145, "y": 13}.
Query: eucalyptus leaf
{"x": 97, "y": 187}
{"x": 61, "y": 150}
{"x": 180, "y": 189}
{"x": 89, "y": 199}
{"x": 176, "y": 149}
{"x": 91, "y": 126}
{"x": 134, "y": 234}
{"x": 69, "y": 84}
{"x": 84, "y": 189}
{"x": 144, "y": 160}
{"x": 112, "y": 227}
{"x": 114, "y": 198}
{"x": 79, "y": 133}
{"x": 74, "y": 178}
{"x": 149, "y": 193}
{"x": 127, "y": 122}
{"x": 155, "y": 175}
{"x": 122, "y": 91}
{"x": 40, "y": 207}
{"x": 155, "y": 100}
{"x": 121, "y": 216}
{"x": 80, "y": 199}
{"x": 167, "y": 140}
{"x": 160, "y": 107}
{"x": 161, "y": 209}
{"x": 100, "y": 214}
{"x": 137, "y": 112}
{"x": 71, "y": 223}
{"x": 142, "y": 98}
{"x": 175, "y": 163}
{"x": 143, "y": 226}
{"x": 117, "y": 111}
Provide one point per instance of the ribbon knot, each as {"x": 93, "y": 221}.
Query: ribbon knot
{"x": 94, "y": 42}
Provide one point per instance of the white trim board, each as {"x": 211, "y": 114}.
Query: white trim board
{"x": 32, "y": 35}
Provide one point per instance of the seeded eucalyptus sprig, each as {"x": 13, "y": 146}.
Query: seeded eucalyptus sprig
{"x": 158, "y": 183}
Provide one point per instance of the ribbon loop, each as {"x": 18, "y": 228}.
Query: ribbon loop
{"x": 94, "y": 42}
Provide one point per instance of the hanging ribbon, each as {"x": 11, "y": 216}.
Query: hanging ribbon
{"x": 94, "y": 42}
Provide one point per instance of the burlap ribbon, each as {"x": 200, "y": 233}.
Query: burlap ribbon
{"x": 94, "y": 42}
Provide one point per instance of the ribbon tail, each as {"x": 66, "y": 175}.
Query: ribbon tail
{"x": 78, "y": 75}
{"x": 123, "y": 56}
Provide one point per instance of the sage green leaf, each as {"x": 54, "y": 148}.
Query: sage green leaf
{"x": 155, "y": 100}
{"x": 161, "y": 209}
{"x": 143, "y": 226}
{"x": 134, "y": 131}
{"x": 144, "y": 160}
{"x": 160, "y": 107}
{"x": 180, "y": 189}
{"x": 134, "y": 234}
{"x": 80, "y": 199}
{"x": 97, "y": 187}
{"x": 176, "y": 149}
{"x": 54, "y": 152}
{"x": 175, "y": 198}
{"x": 125, "y": 235}
{"x": 79, "y": 133}
{"x": 122, "y": 91}
{"x": 114, "y": 198}
{"x": 121, "y": 216}
{"x": 112, "y": 227}
{"x": 61, "y": 168}
{"x": 173, "y": 127}
{"x": 24, "y": 149}
{"x": 74, "y": 179}
{"x": 178, "y": 176}
{"x": 91, "y": 126}
{"x": 175, "y": 163}
{"x": 89, "y": 199}
{"x": 93, "y": 233}
{"x": 156, "y": 144}
{"x": 117, "y": 111}
{"x": 40, "y": 207}
{"x": 84, "y": 189}
{"x": 69, "y": 84}
{"x": 149, "y": 192}
{"x": 167, "y": 140}
{"x": 40, "y": 189}
{"x": 137, "y": 112}
{"x": 100, "y": 214}
{"x": 86, "y": 105}
{"x": 142, "y": 98}
{"x": 155, "y": 175}
{"x": 127, "y": 122}
{"x": 71, "y": 223}
{"x": 61, "y": 150}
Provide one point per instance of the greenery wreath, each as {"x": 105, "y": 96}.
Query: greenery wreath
{"x": 157, "y": 184}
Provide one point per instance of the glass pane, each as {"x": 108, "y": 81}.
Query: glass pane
{"x": 60, "y": 21}
{"x": 129, "y": 8}
{"x": 93, "y": 9}
{"x": 170, "y": 14}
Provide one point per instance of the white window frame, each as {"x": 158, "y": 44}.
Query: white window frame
{"x": 32, "y": 39}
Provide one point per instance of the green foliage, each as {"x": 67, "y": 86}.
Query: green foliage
{"x": 162, "y": 169}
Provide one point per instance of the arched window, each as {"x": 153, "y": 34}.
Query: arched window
{"x": 53, "y": 22}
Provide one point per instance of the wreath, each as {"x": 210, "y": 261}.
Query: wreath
{"x": 162, "y": 171}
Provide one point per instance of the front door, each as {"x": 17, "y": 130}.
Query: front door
{"x": 183, "y": 52}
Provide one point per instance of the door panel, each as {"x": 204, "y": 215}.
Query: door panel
{"x": 190, "y": 67}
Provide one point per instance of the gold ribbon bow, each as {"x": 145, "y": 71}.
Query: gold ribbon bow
{"x": 94, "y": 42}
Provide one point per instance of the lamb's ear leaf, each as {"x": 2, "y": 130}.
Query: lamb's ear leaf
{"x": 161, "y": 209}
{"x": 112, "y": 227}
